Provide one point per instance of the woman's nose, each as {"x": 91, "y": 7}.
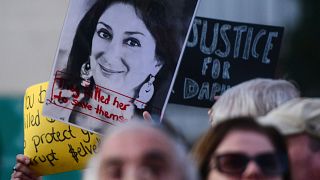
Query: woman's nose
{"x": 252, "y": 171}
{"x": 113, "y": 51}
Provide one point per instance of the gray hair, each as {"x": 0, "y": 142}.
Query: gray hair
{"x": 186, "y": 164}
{"x": 252, "y": 98}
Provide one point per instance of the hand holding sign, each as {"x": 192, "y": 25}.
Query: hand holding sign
{"x": 51, "y": 145}
{"x": 22, "y": 171}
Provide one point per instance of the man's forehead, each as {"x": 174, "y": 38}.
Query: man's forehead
{"x": 137, "y": 142}
{"x": 150, "y": 156}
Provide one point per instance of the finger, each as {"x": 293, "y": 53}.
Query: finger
{"x": 20, "y": 158}
{"x": 25, "y": 170}
{"x": 147, "y": 116}
{"x": 20, "y": 176}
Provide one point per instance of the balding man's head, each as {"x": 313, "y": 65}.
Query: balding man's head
{"x": 139, "y": 151}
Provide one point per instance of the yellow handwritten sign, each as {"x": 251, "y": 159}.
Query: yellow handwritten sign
{"x": 51, "y": 145}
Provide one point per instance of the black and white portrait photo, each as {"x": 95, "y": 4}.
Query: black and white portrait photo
{"x": 116, "y": 59}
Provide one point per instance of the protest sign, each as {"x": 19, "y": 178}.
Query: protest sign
{"x": 51, "y": 145}
{"x": 121, "y": 63}
{"x": 221, "y": 54}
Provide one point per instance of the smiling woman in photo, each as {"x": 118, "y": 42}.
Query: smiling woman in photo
{"x": 123, "y": 49}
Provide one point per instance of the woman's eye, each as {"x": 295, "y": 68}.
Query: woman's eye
{"x": 133, "y": 42}
{"x": 104, "y": 34}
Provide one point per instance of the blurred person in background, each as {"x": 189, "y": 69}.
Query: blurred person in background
{"x": 299, "y": 121}
{"x": 255, "y": 98}
{"x": 240, "y": 148}
{"x": 134, "y": 151}
{"x": 138, "y": 151}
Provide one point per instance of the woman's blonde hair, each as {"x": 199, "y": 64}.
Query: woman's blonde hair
{"x": 252, "y": 98}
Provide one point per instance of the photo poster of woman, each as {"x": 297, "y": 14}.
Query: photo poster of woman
{"x": 117, "y": 59}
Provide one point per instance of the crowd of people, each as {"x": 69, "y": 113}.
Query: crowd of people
{"x": 260, "y": 129}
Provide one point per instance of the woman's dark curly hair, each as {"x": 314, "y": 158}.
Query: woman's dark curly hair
{"x": 158, "y": 18}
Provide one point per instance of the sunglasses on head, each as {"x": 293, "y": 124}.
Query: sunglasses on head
{"x": 271, "y": 164}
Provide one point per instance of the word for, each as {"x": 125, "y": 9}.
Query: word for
{"x": 192, "y": 90}
{"x": 56, "y": 136}
{"x": 254, "y": 39}
{"x": 51, "y": 157}
{"x": 216, "y": 70}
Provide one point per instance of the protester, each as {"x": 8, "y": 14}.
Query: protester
{"x": 252, "y": 98}
{"x": 140, "y": 152}
{"x": 134, "y": 151}
{"x": 240, "y": 148}
{"x": 299, "y": 121}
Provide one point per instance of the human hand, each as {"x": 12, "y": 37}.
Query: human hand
{"x": 22, "y": 171}
{"x": 147, "y": 116}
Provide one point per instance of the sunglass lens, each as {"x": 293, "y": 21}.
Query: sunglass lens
{"x": 270, "y": 164}
{"x": 232, "y": 163}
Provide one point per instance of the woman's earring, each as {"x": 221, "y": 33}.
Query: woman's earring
{"x": 85, "y": 74}
{"x": 145, "y": 93}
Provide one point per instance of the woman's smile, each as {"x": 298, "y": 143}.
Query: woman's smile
{"x": 106, "y": 71}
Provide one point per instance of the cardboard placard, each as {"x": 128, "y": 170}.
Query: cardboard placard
{"x": 122, "y": 61}
{"x": 51, "y": 145}
{"x": 221, "y": 54}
